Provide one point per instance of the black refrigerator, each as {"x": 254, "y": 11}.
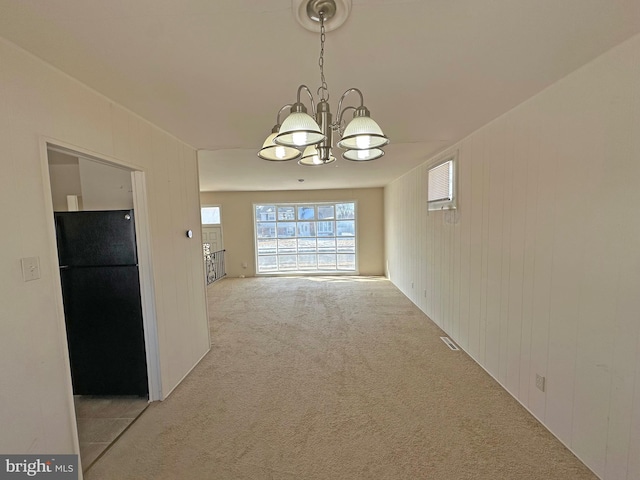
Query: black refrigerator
{"x": 102, "y": 306}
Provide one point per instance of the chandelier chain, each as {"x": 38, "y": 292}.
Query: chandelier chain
{"x": 323, "y": 90}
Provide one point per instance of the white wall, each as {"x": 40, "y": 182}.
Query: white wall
{"x": 539, "y": 271}
{"x": 104, "y": 187}
{"x": 36, "y": 101}
{"x": 65, "y": 180}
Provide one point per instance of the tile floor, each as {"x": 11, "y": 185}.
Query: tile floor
{"x": 101, "y": 420}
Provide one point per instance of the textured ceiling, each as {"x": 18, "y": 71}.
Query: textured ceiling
{"x": 215, "y": 73}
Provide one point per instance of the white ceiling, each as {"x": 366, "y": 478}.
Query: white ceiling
{"x": 215, "y": 73}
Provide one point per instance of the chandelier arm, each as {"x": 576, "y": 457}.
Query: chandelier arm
{"x": 337, "y": 125}
{"x": 288, "y": 105}
{"x": 340, "y": 112}
{"x": 304, "y": 87}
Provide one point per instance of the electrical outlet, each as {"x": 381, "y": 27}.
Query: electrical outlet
{"x": 540, "y": 383}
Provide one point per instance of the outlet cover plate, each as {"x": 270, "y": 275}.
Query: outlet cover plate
{"x": 30, "y": 268}
{"x": 540, "y": 382}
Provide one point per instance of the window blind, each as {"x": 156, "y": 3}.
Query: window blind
{"x": 441, "y": 182}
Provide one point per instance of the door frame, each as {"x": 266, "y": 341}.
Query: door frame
{"x": 145, "y": 263}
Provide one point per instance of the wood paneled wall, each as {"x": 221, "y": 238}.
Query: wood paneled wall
{"x": 538, "y": 270}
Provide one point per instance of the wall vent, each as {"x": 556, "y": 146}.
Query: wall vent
{"x": 449, "y": 343}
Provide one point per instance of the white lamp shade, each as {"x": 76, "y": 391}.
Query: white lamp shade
{"x": 310, "y": 158}
{"x": 277, "y": 153}
{"x": 362, "y": 133}
{"x": 363, "y": 155}
{"x": 299, "y": 130}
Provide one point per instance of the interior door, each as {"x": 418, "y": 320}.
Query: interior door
{"x": 212, "y": 234}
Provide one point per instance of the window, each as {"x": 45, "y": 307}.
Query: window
{"x": 210, "y": 215}
{"x": 306, "y": 238}
{"x": 441, "y": 185}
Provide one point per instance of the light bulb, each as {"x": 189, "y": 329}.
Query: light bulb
{"x": 280, "y": 152}
{"x": 363, "y": 141}
{"x": 299, "y": 138}
{"x": 316, "y": 160}
{"x": 363, "y": 154}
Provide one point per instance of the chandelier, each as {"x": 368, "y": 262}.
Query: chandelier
{"x": 309, "y": 139}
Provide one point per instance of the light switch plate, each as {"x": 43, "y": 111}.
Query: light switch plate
{"x": 30, "y": 268}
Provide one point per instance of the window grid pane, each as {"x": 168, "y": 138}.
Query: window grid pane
{"x": 210, "y": 215}
{"x": 346, "y": 262}
{"x": 286, "y": 213}
{"x": 308, "y": 212}
{"x": 306, "y": 237}
{"x": 266, "y": 213}
{"x": 266, "y": 230}
{"x": 326, "y": 212}
{"x": 306, "y": 229}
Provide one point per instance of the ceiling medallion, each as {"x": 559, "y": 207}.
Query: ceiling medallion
{"x": 307, "y": 13}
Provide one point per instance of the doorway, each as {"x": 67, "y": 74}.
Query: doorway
{"x": 83, "y": 185}
{"x": 211, "y": 219}
{"x": 212, "y": 236}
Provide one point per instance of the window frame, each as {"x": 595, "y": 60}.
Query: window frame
{"x": 445, "y": 204}
{"x": 320, "y": 239}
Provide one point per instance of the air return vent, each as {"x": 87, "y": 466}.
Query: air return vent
{"x": 449, "y": 343}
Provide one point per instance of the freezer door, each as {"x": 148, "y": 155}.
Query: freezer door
{"x": 105, "y": 334}
{"x": 96, "y": 238}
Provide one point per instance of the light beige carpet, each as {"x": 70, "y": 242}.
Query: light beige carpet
{"x": 333, "y": 378}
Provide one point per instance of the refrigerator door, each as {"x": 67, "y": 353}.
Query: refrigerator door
{"x": 104, "y": 330}
{"x": 96, "y": 238}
